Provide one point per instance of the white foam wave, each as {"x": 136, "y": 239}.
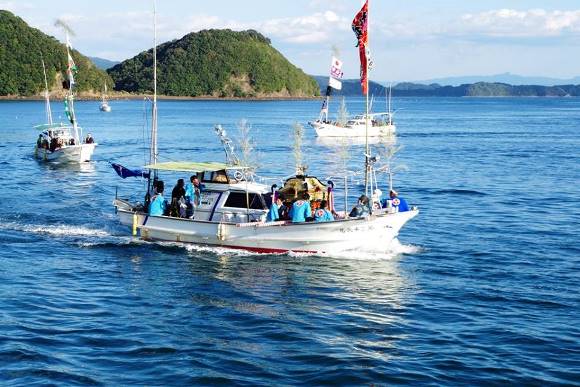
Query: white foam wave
{"x": 57, "y": 230}
{"x": 371, "y": 253}
{"x": 192, "y": 248}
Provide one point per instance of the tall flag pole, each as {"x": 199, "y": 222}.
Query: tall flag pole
{"x": 154, "y": 153}
{"x": 333, "y": 83}
{"x": 71, "y": 70}
{"x": 360, "y": 26}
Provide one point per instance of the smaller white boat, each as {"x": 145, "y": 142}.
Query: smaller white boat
{"x": 104, "y": 103}
{"x": 63, "y": 142}
{"x": 57, "y": 142}
{"x": 380, "y": 124}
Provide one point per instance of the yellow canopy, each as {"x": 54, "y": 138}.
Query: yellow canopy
{"x": 188, "y": 166}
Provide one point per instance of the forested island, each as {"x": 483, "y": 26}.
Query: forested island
{"x": 22, "y": 49}
{"x": 217, "y": 63}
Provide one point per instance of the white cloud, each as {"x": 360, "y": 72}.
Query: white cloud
{"x": 528, "y": 23}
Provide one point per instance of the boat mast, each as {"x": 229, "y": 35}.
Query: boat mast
{"x": 367, "y": 149}
{"x": 46, "y": 96}
{"x": 154, "y": 153}
{"x": 389, "y": 104}
{"x": 70, "y": 94}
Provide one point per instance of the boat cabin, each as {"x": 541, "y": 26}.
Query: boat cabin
{"x": 226, "y": 196}
{"x": 375, "y": 119}
{"x": 54, "y": 136}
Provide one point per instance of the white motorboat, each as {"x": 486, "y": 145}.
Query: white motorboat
{"x": 232, "y": 213}
{"x": 362, "y": 125}
{"x": 58, "y": 141}
{"x": 232, "y": 209}
{"x": 105, "y": 107}
{"x": 380, "y": 124}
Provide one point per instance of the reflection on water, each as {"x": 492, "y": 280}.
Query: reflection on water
{"x": 356, "y": 141}
{"x": 88, "y": 168}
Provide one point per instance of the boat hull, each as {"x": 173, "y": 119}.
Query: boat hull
{"x": 68, "y": 154}
{"x": 324, "y": 129}
{"x": 274, "y": 237}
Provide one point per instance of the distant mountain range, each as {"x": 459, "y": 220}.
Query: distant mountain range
{"x": 103, "y": 64}
{"x": 509, "y": 78}
{"x": 351, "y": 87}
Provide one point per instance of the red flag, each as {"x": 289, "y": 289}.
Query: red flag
{"x": 360, "y": 24}
{"x": 360, "y": 28}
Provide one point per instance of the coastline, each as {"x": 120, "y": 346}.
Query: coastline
{"x": 135, "y": 97}
{"x": 129, "y": 97}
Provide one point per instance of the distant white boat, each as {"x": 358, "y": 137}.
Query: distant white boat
{"x": 58, "y": 141}
{"x": 379, "y": 124}
{"x": 104, "y": 103}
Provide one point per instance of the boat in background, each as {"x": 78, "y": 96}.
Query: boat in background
{"x": 58, "y": 141}
{"x": 379, "y": 124}
{"x": 104, "y": 103}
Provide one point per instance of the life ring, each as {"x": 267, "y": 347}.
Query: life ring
{"x": 320, "y": 213}
{"x": 396, "y": 202}
{"x": 238, "y": 175}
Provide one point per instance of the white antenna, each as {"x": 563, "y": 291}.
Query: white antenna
{"x": 231, "y": 156}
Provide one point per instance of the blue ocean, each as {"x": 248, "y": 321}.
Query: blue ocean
{"x": 482, "y": 288}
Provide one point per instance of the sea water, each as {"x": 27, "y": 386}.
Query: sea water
{"x": 481, "y": 288}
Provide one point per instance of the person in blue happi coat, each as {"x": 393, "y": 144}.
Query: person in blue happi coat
{"x": 322, "y": 214}
{"x": 398, "y": 202}
{"x": 301, "y": 209}
{"x": 158, "y": 204}
{"x": 192, "y": 195}
{"x": 274, "y": 213}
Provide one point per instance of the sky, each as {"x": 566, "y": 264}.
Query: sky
{"x": 410, "y": 40}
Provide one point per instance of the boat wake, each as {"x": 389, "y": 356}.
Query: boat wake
{"x": 394, "y": 250}
{"x": 370, "y": 253}
{"x": 56, "y": 230}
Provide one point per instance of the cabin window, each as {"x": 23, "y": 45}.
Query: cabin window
{"x": 238, "y": 200}
{"x": 215, "y": 177}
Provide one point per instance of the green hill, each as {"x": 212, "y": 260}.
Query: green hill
{"x": 21, "y": 47}
{"x": 219, "y": 63}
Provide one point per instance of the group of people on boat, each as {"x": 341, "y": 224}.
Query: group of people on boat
{"x": 185, "y": 198}
{"x": 299, "y": 211}
{"x": 52, "y": 141}
{"x": 302, "y": 210}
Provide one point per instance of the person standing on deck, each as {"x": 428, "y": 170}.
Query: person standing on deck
{"x": 362, "y": 208}
{"x": 193, "y": 195}
{"x": 158, "y": 204}
{"x": 398, "y": 202}
{"x": 274, "y": 213}
{"x": 301, "y": 209}
{"x": 322, "y": 214}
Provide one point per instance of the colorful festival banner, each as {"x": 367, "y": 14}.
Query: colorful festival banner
{"x": 360, "y": 28}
